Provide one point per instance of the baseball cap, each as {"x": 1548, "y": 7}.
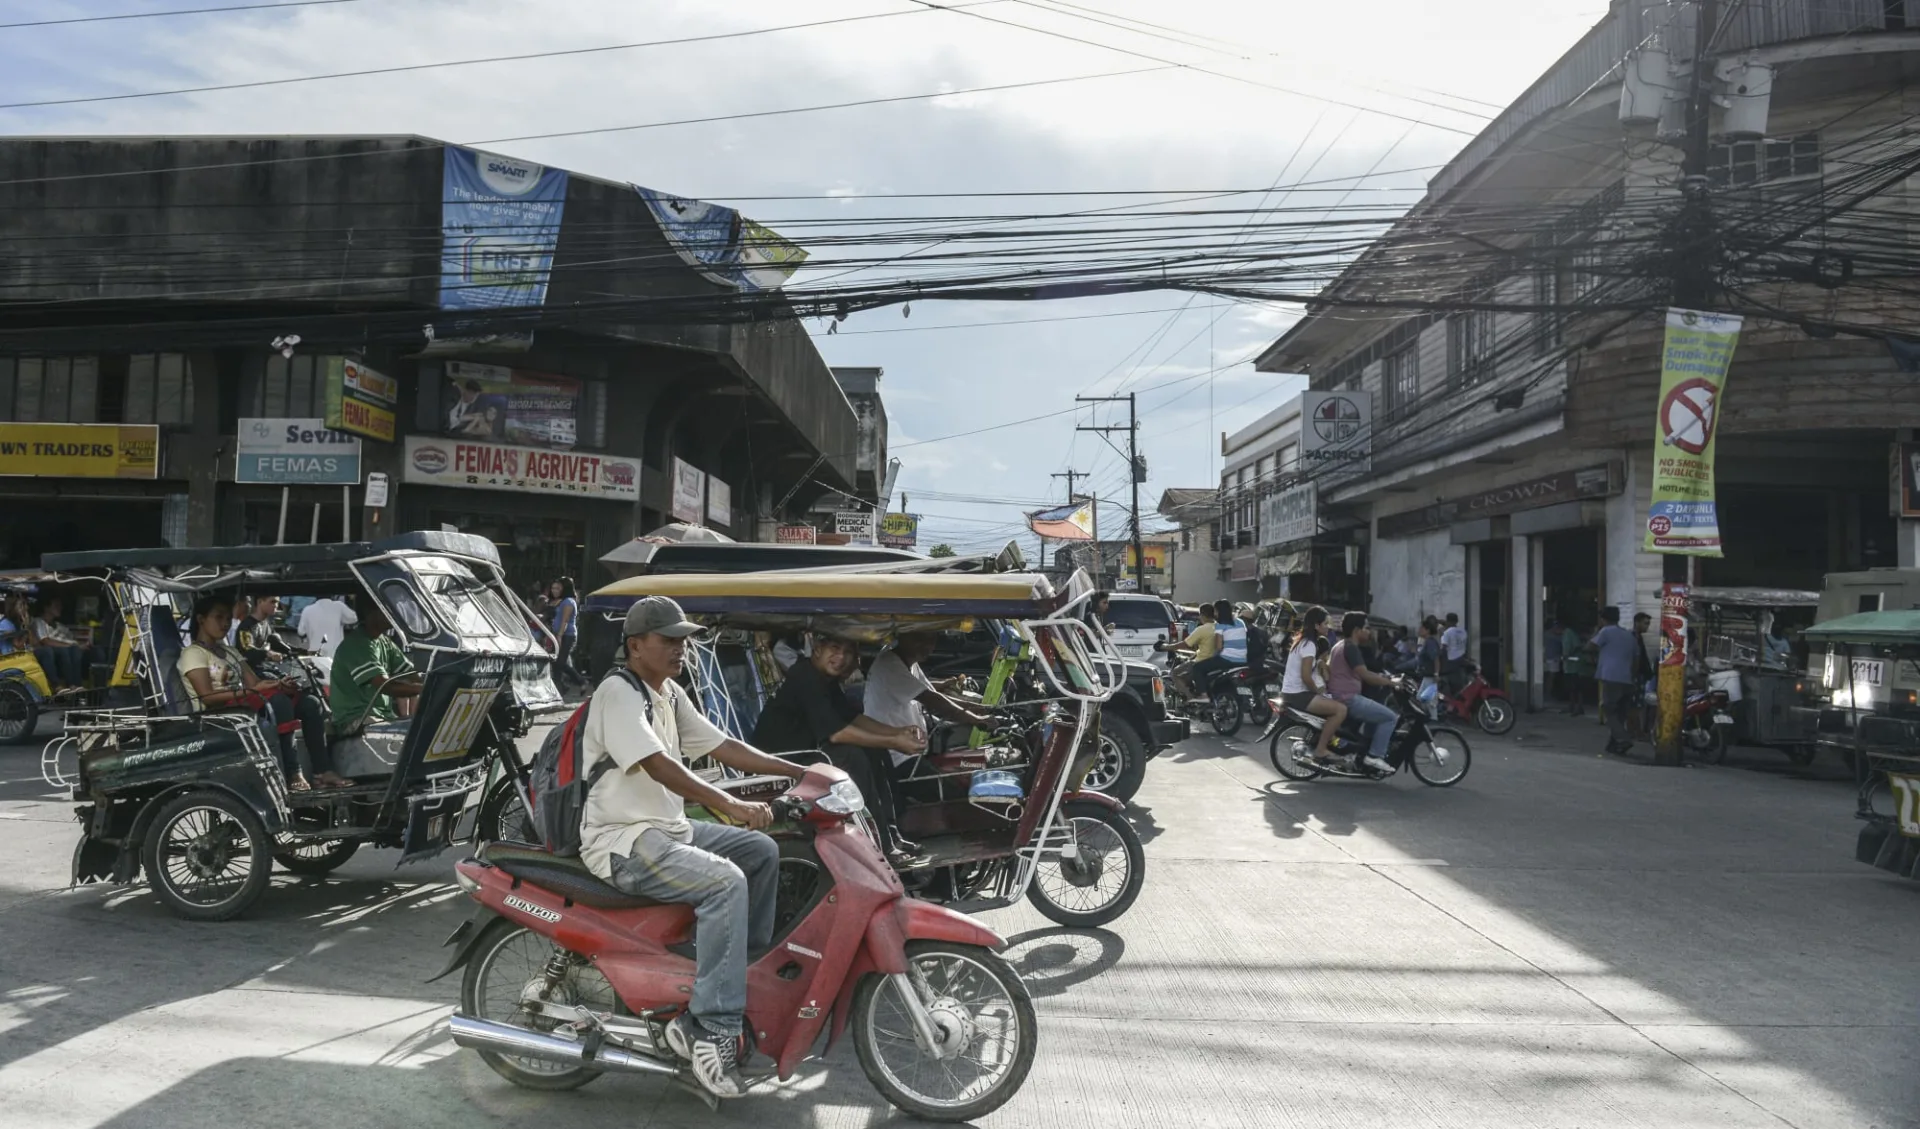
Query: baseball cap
{"x": 651, "y": 615}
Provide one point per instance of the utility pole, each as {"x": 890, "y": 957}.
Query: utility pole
{"x": 1695, "y": 253}
{"x": 1136, "y": 471}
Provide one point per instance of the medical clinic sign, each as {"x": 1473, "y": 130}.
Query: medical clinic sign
{"x": 530, "y": 470}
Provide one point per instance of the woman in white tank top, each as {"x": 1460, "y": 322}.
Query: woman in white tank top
{"x": 1304, "y": 687}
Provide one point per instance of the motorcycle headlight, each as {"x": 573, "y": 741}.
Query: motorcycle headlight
{"x": 842, "y": 799}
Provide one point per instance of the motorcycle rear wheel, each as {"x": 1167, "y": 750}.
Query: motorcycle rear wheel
{"x": 507, "y": 959}
{"x": 1112, "y": 865}
{"x": 1705, "y": 743}
{"x": 975, "y": 990}
{"x": 1287, "y": 744}
{"x": 1224, "y": 712}
{"x": 1495, "y": 715}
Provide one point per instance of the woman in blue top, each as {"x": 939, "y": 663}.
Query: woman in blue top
{"x": 566, "y": 628}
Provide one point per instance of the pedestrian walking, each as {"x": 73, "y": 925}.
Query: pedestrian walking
{"x": 566, "y": 630}
{"x": 1615, "y": 649}
{"x": 1641, "y": 720}
{"x": 1577, "y": 670}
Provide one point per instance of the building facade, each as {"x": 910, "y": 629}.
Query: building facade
{"x": 219, "y": 303}
{"x": 1513, "y": 433}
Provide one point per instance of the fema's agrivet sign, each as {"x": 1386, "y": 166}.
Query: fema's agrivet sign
{"x": 294, "y": 452}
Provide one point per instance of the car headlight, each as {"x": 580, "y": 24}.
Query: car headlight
{"x": 843, "y": 798}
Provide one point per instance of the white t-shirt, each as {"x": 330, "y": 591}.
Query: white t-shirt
{"x": 892, "y": 686}
{"x": 1294, "y": 683}
{"x": 626, "y": 800}
{"x": 324, "y": 623}
{"x": 1454, "y": 639}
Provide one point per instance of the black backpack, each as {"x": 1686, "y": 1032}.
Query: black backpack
{"x": 559, "y": 779}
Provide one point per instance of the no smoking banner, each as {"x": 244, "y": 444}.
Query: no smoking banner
{"x": 1683, "y": 517}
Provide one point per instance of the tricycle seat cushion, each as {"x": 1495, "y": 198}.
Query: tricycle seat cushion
{"x": 562, "y": 875}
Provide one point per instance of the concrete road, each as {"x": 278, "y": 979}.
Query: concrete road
{"x": 1562, "y": 940}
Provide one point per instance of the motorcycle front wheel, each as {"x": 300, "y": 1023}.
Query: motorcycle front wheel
{"x": 983, "y": 1014}
{"x": 1443, "y": 758}
{"x": 512, "y": 959}
{"x": 1707, "y": 743}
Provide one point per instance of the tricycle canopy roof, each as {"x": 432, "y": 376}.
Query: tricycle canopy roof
{"x": 863, "y": 605}
{"x": 1892, "y": 628}
{"x": 1755, "y": 597}
{"x": 275, "y": 559}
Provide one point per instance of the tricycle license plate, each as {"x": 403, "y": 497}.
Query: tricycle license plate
{"x": 1723, "y": 719}
{"x": 1869, "y": 671}
{"x": 1906, "y": 803}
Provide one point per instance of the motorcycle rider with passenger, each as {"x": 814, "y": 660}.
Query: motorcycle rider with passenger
{"x": 1347, "y": 678}
{"x": 1232, "y": 636}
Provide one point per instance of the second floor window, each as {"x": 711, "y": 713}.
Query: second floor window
{"x": 1739, "y": 163}
{"x": 1470, "y": 347}
{"x": 159, "y": 389}
{"x": 50, "y": 389}
{"x": 1400, "y": 379}
{"x": 294, "y": 387}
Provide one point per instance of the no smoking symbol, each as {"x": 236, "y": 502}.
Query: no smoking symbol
{"x": 1687, "y": 415}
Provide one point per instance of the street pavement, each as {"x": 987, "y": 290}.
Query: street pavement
{"x": 1564, "y": 939}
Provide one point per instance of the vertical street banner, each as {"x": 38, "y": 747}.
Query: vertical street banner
{"x": 1684, "y": 519}
{"x": 499, "y": 225}
{"x": 689, "y": 491}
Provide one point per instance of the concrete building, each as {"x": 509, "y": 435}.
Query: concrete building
{"x": 1513, "y": 451}
{"x": 154, "y": 288}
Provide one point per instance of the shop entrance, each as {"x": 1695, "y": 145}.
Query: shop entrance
{"x": 1496, "y": 616}
{"x": 76, "y": 525}
{"x": 1570, "y": 576}
{"x": 533, "y": 551}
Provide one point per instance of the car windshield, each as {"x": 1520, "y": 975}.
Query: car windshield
{"x": 1137, "y": 615}
{"x": 466, "y": 603}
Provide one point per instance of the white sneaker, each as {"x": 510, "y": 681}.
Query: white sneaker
{"x": 714, "y": 1058}
{"x": 1375, "y": 764}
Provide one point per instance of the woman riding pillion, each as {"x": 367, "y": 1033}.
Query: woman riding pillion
{"x": 1305, "y": 686}
{"x": 1347, "y": 676}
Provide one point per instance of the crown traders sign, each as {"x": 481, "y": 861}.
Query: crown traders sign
{"x": 1336, "y": 431}
{"x": 359, "y": 400}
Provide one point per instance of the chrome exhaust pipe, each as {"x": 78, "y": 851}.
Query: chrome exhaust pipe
{"x": 501, "y": 1038}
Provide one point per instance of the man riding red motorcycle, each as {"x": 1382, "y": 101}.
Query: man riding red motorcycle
{"x": 636, "y": 836}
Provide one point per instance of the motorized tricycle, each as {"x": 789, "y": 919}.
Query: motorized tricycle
{"x": 1042, "y": 835}
{"x": 1761, "y": 688}
{"x": 1868, "y": 678}
{"x": 26, "y": 692}
{"x": 200, "y": 800}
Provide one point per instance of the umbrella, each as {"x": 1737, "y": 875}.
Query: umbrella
{"x": 684, "y": 531}
{"x": 630, "y": 558}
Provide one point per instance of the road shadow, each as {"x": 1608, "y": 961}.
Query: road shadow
{"x": 1050, "y": 961}
{"x": 1144, "y": 824}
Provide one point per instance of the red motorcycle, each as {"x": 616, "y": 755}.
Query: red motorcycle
{"x": 1479, "y": 701}
{"x": 568, "y": 978}
{"x": 1705, "y": 724}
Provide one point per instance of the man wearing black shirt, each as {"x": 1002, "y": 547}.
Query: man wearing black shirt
{"x": 811, "y": 711}
{"x": 254, "y": 634}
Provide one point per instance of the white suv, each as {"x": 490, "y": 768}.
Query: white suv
{"x": 1139, "y": 621}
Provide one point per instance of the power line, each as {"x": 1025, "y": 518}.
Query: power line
{"x": 174, "y": 12}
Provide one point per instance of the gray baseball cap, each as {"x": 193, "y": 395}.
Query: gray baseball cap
{"x": 659, "y": 615}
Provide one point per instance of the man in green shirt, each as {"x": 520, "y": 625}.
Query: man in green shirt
{"x": 369, "y": 671}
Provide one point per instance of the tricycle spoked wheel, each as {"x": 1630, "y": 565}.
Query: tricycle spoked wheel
{"x": 1291, "y": 751}
{"x": 1495, "y": 715}
{"x": 208, "y": 856}
{"x": 984, "y": 1018}
{"x": 313, "y": 857}
{"x": 504, "y": 817}
{"x": 19, "y": 713}
{"x": 513, "y": 965}
{"x": 1224, "y": 711}
{"x": 1102, "y": 877}
{"x": 1443, "y": 758}
{"x": 1122, "y": 763}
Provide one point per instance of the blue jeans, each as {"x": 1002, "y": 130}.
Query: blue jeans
{"x": 730, "y": 876}
{"x": 1382, "y": 717}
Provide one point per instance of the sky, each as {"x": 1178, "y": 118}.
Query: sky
{"x": 1226, "y": 94}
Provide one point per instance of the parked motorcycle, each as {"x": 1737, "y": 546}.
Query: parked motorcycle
{"x": 1480, "y": 702}
{"x": 1706, "y": 726}
{"x": 1438, "y": 755}
{"x": 568, "y": 978}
